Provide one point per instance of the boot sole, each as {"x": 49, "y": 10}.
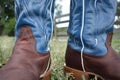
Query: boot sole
{"x": 74, "y": 74}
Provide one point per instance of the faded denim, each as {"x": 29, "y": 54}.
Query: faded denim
{"x": 38, "y": 14}
{"x": 90, "y": 21}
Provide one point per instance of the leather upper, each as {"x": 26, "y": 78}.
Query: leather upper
{"x": 106, "y": 66}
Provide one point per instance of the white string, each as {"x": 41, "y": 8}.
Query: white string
{"x": 95, "y": 3}
{"x": 42, "y": 75}
{"x": 48, "y": 67}
{"x": 51, "y": 16}
{"x": 51, "y": 21}
{"x": 81, "y": 34}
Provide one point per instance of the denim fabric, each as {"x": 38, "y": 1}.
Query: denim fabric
{"x": 38, "y": 14}
{"x": 90, "y": 21}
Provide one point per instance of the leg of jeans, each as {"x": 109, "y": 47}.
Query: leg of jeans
{"x": 38, "y": 14}
{"x": 90, "y": 21}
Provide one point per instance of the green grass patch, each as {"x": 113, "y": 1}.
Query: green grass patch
{"x": 6, "y": 46}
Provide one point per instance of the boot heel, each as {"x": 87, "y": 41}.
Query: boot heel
{"x": 47, "y": 76}
{"x": 75, "y": 74}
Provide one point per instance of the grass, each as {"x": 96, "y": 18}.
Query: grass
{"x": 6, "y": 46}
{"x": 57, "y": 52}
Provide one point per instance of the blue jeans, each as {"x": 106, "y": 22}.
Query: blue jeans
{"x": 90, "y": 21}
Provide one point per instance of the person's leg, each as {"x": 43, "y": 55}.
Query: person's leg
{"x": 30, "y": 59}
{"x": 89, "y": 45}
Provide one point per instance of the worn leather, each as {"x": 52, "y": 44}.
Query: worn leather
{"x": 107, "y": 66}
{"x": 25, "y": 63}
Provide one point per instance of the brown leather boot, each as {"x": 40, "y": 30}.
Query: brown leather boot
{"x": 26, "y": 63}
{"x": 107, "y": 67}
